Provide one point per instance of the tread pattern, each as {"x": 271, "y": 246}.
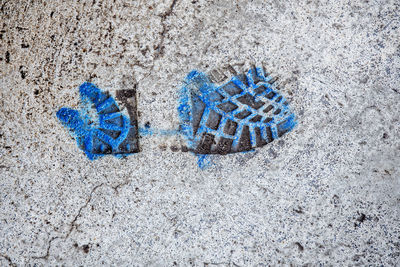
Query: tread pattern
{"x": 111, "y": 132}
{"x": 243, "y": 113}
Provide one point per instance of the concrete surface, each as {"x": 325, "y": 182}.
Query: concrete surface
{"x": 327, "y": 193}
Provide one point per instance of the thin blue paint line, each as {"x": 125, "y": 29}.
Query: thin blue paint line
{"x": 144, "y": 131}
{"x": 253, "y": 136}
{"x": 263, "y": 132}
{"x": 236, "y": 139}
{"x": 222, "y": 124}
{"x": 274, "y": 131}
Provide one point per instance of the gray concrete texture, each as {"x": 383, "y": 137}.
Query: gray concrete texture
{"x": 326, "y": 193}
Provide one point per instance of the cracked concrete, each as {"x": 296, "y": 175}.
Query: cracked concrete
{"x": 159, "y": 48}
{"x": 325, "y": 194}
{"x": 73, "y": 223}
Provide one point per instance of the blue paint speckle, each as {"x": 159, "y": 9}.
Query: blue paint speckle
{"x": 204, "y": 161}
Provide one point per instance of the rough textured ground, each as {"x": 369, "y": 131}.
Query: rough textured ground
{"x": 326, "y": 193}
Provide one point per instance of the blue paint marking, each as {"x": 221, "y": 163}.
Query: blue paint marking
{"x": 99, "y": 127}
{"x": 204, "y": 161}
{"x": 147, "y": 131}
{"x": 244, "y": 113}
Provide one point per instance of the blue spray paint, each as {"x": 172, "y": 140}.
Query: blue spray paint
{"x": 147, "y": 131}
{"x": 244, "y": 113}
{"x": 99, "y": 127}
{"x": 204, "y": 161}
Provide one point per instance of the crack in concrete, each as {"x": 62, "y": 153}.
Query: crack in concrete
{"x": 120, "y": 185}
{"x": 46, "y": 256}
{"x": 72, "y": 224}
{"x": 159, "y": 48}
{"x": 230, "y": 263}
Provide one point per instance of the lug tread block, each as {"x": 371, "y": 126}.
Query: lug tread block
{"x": 256, "y": 118}
{"x": 112, "y": 133}
{"x": 259, "y": 140}
{"x": 108, "y": 106}
{"x": 206, "y": 142}
{"x": 117, "y": 121}
{"x": 232, "y": 89}
{"x": 244, "y": 141}
{"x": 243, "y": 114}
{"x": 100, "y": 147}
{"x": 130, "y": 144}
{"x": 270, "y": 95}
{"x": 217, "y": 76}
{"x": 230, "y": 127}
{"x": 269, "y": 135}
{"x": 224, "y": 146}
{"x": 268, "y": 109}
{"x": 250, "y": 101}
{"x": 213, "y": 120}
{"x": 277, "y": 111}
{"x": 227, "y": 107}
{"x": 256, "y": 78}
{"x": 267, "y": 120}
{"x": 260, "y": 89}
